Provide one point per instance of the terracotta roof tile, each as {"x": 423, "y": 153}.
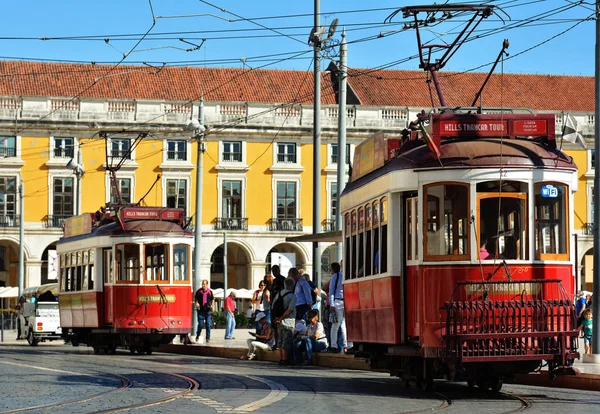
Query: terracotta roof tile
{"x": 537, "y": 92}
{"x": 377, "y": 88}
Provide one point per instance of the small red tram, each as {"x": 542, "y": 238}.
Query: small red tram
{"x": 125, "y": 278}
{"x": 458, "y": 261}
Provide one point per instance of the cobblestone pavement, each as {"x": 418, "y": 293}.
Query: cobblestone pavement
{"x": 58, "y": 378}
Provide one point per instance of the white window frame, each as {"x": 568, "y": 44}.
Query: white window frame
{"x": 285, "y": 177}
{"x": 13, "y": 174}
{"x": 188, "y": 183}
{"x": 121, "y": 174}
{"x": 276, "y": 153}
{"x": 188, "y": 148}
{"x": 329, "y": 182}
{"x": 231, "y": 177}
{"x": 15, "y": 161}
{"x": 62, "y": 173}
{"x": 53, "y": 157}
{"x": 130, "y": 163}
{"x": 590, "y": 201}
{"x": 222, "y": 151}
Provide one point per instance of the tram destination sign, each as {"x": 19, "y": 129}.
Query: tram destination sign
{"x": 492, "y": 126}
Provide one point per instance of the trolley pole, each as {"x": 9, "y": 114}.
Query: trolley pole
{"x": 21, "y": 240}
{"x": 198, "y": 213}
{"x": 317, "y": 149}
{"x": 341, "y": 164}
{"x": 596, "y": 288}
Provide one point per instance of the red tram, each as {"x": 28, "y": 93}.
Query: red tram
{"x": 125, "y": 278}
{"x": 457, "y": 255}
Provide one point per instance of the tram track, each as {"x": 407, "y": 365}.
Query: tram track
{"x": 125, "y": 383}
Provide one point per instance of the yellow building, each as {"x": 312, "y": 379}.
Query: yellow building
{"x": 62, "y": 128}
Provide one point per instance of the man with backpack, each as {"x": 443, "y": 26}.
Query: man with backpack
{"x": 283, "y": 312}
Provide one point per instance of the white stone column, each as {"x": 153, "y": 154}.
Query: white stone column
{"x": 33, "y": 273}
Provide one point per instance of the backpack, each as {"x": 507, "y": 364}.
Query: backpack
{"x": 278, "y": 308}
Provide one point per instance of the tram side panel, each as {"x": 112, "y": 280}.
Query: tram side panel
{"x": 81, "y": 309}
{"x": 373, "y": 310}
{"x": 430, "y": 287}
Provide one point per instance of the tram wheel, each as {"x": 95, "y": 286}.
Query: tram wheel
{"x": 96, "y": 350}
{"x": 131, "y": 350}
{"x": 496, "y": 384}
{"x": 148, "y": 350}
{"x": 31, "y": 338}
{"x": 111, "y": 350}
{"x": 481, "y": 383}
{"x": 471, "y": 384}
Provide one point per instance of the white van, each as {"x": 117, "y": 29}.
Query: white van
{"x": 40, "y": 317}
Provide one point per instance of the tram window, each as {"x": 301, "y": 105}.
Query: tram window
{"x": 354, "y": 254}
{"x": 360, "y": 247}
{"x": 346, "y": 271}
{"x": 180, "y": 263}
{"x": 409, "y": 229}
{"x": 381, "y": 254}
{"x": 156, "y": 262}
{"x": 368, "y": 241}
{"x": 107, "y": 266}
{"x": 128, "y": 263}
{"x": 447, "y": 222}
{"x": 551, "y": 238}
{"x": 376, "y": 241}
{"x": 502, "y": 230}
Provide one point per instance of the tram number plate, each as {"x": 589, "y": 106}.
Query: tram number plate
{"x": 156, "y": 298}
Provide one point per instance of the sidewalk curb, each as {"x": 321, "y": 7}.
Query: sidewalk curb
{"x": 589, "y": 382}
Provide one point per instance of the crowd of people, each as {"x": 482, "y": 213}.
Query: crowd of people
{"x": 286, "y": 314}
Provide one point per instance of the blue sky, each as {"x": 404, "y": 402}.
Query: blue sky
{"x": 96, "y": 30}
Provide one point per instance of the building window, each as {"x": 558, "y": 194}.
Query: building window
{"x": 592, "y": 159}
{"x": 177, "y": 150}
{"x": 125, "y": 189}
{"x": 64, "y": 147}
{"x": 8, "y": 146}
{"x": 8, "y": 197}
{"x": 176, "y": 193}
{"x": 551, "y": 212}
{"x": 334, "y": 209}
{"x": 232, "y": 151}
{"x": 286, "y": 153}
{"x": 120, "y": 148}
{"x": 286, "y": 200}
{"x": 62, "y": 198}
{"x": 334, "y": 154}
{"x": 232, "y": 199}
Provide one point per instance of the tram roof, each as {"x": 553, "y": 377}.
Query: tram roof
{"x": 134, "y": 228}
{"x": 483, "y": 153}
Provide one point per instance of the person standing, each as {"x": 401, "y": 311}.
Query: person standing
{"x": 278, "y": 280}
{"x": 302, "y": 292}
{"x": 336, "y": 306}
{"x": 204, "y": 303}
{"x": 229, "y": 309}
{"x": 257, "y": 302}
{"x": 286, "y": 321}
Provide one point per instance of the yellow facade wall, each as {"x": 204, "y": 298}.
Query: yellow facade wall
{"x": 581, "y": 202}
{"x": 34, "y": 153}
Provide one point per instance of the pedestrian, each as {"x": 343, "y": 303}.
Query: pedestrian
{"x": 586, "y": 329}
{"x": 204, "y": 300}
{"x": 336, "y": 308}
{"x": 302, "y": 292}
{"x": 229, "y": 309}
{"x": 257, "y": 302}
{"x": 312, "y": 340}
{"x": 278, "y": 280}
{"x": 263, "y": 340}
{"x": 285, "y": 302}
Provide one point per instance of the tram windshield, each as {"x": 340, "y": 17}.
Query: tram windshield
{"x": 502, "y": 232}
